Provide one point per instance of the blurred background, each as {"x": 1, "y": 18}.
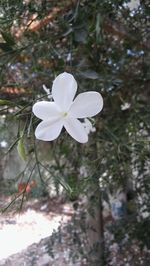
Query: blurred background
{"x": 95, "y": 196}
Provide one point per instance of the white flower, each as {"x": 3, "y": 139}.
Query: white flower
{"x": 48, "y": 92}
{"x": 64, "y": 111}
{"x": 88, "y": 126}
{"x": 125, "y": 106}
{"x": 133, "y": 4}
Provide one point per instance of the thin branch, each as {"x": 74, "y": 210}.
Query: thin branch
{"x": 24, "y": 191}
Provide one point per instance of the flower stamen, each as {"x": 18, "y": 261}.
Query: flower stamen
{"x": 65, "y": 114}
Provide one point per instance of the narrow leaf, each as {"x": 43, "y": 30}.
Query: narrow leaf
{"x": 21, "y": 149}
{"x": 5, "y": 47}
{"x": 5, "y": 102}
{"x": 8, "y": 38}
{"x": 98, "y": 28}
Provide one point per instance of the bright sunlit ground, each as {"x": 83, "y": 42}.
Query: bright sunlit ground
{"x": 22, "y": 230}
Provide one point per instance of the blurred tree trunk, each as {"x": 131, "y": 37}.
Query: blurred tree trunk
{"x": 95, "y": 232}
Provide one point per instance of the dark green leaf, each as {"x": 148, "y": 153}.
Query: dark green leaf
{"x": 5, "y": 47}
{"x": 5, "y": 102}
{"x": 8, "y": 38}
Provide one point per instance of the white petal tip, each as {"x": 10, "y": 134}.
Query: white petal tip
{"x": 84, "y": 141}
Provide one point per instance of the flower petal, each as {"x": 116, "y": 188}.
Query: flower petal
{"x": 63, "y": 90}
{"x": 45, "y": 110}
{"x": 76, "y": 130}
{"x": 86, "y": 104}
{"x": 49, "y": 130}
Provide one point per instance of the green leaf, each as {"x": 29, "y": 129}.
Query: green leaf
{"x": 64, "y": 185}
{"x": 8, "y": 38}
{"x": 5, "y": 102}
{"x": 21, "y": 149}
{"x": 98, "y": 28}
{"x": 5, "y": 47}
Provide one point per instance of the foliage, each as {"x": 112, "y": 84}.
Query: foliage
{"x": 105, "y": 46}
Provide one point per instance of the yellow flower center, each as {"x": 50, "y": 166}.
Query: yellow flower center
{"x": 65, "y": 114}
